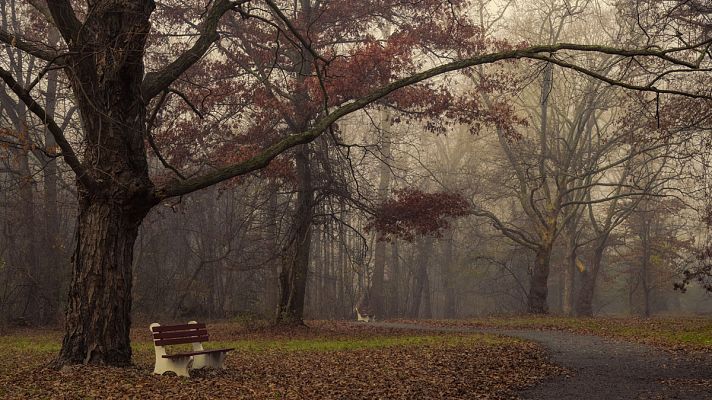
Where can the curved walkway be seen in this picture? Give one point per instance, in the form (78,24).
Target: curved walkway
(606,369)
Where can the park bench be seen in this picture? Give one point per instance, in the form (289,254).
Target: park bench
(364,317)
(181,363)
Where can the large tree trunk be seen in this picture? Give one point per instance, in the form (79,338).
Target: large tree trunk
(54,272)
(427,311)
(376,296)
(420,278)
(293,278)
(98,315)
(25,231)
(106,77)
(272,240)
(538,282)
(449,309)
(314,298)
(584,301)
(394,309)
(377,285)
(645,273)
(341,303)
(538,289)
(99,306)
(567,301)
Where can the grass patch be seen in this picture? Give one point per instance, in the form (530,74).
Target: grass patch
(29,344)
(339,344)
(32,343)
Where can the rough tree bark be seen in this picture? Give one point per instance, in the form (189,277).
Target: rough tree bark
(98,314)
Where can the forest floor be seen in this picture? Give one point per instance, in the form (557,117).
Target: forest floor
(328,360)
(489,358)
(607,358)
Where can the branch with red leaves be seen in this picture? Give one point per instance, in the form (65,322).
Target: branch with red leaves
(321,125)
(414,213)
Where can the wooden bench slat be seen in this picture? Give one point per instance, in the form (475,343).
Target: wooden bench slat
(182,340)
(184,327)
(180,334)
(195,353)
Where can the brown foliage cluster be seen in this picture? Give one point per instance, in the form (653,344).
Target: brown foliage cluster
(412,213)
(242,114)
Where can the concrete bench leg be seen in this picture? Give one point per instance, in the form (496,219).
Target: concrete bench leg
(181,365)
(211,360)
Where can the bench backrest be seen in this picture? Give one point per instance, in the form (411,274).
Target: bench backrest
(166,335)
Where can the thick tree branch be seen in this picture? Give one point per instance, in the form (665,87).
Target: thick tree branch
(158,154)
(512,234)
(614,197)
(64,19)
(67,152)
(267,155)
(156,82)
(615,82)
(263,159)
(39,50)
(152,142)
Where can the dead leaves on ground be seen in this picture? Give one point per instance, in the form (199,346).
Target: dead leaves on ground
(458,367)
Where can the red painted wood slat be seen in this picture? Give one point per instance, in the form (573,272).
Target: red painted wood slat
(184,327)
(183,340)
(180,334)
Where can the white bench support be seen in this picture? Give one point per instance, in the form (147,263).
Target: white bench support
(179,365)
(209,360)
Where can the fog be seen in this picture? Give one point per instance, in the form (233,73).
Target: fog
(574,183)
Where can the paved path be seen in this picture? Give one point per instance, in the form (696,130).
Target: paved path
(607,369)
